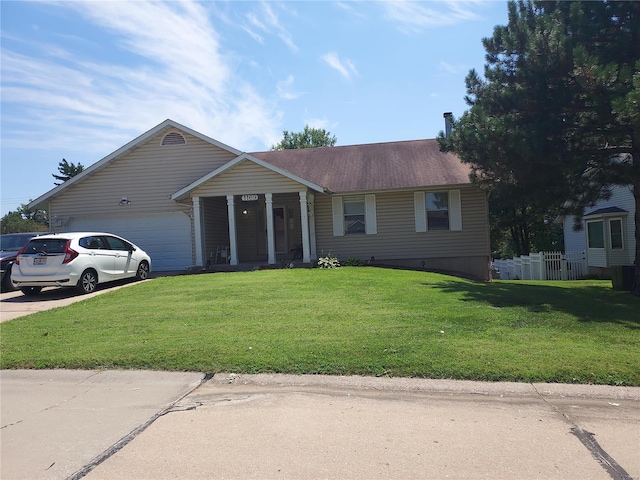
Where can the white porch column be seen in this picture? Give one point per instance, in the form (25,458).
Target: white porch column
(233,242)
(312,224)
(304,219)
(198,231)
(271,241)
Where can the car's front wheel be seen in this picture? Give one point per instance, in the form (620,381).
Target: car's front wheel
(31,291)
(88,282)
(143,271)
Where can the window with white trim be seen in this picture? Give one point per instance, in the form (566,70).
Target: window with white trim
(615,234)
(439,210)
(437,204)
(595,234)
(354,215)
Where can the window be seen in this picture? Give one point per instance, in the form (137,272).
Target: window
(615,233)
(93,243)
(46,246)
(595,234)
(437,210)
(354,215)
(117,244)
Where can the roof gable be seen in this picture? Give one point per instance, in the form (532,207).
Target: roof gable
(132,145)
(245,157)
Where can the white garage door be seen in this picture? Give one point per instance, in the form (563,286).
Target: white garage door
(165,237)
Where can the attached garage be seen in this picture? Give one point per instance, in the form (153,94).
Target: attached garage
(165,237)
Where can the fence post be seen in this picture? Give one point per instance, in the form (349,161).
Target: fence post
(526,267)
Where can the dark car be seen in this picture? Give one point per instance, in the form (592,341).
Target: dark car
(10,245)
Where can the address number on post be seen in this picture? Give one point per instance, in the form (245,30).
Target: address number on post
(250,198)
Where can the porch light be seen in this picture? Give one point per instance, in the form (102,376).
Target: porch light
(245,212)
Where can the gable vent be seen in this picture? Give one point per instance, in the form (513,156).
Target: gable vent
(173,138)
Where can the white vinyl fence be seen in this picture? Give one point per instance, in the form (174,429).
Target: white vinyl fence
(543,266)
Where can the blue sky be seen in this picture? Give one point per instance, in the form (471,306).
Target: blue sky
(81,79)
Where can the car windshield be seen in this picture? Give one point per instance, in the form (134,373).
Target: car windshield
(13,242)
(46,245)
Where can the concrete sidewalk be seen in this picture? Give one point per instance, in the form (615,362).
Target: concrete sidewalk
(55,423)
(146,425)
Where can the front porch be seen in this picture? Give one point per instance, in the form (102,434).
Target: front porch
(252,231)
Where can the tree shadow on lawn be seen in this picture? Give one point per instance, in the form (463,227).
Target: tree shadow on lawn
(588,304)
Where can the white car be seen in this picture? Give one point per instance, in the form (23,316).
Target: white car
(78,259)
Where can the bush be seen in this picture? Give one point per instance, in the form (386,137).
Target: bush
(328,262)
(353,262)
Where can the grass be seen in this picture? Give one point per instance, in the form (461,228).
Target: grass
(364,321)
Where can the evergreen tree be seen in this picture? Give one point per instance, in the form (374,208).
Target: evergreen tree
(67,170)
(554,123)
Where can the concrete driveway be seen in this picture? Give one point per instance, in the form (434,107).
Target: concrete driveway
(16,304)
(156,425)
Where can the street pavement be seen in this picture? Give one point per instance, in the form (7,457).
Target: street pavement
(65,424)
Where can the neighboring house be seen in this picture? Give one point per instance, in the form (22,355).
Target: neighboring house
(184,198)
(607,235)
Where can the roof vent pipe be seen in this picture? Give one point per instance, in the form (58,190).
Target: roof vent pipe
(448,123)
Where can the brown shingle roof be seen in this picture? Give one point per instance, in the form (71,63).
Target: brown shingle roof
(376,166)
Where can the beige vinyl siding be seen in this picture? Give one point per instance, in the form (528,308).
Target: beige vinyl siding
(147,176)
(247,178)
(396,237)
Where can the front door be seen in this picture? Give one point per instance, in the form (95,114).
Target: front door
(280,229)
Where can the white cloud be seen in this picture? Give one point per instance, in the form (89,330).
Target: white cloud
(285,89)
(266,20)
(344,67)
(347,7)
(414,16)
(95,106)
(320,123)
(453,69)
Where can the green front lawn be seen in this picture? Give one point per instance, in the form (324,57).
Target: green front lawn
(352,320)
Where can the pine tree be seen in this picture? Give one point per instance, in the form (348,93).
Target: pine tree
(555,120)
(67,170)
